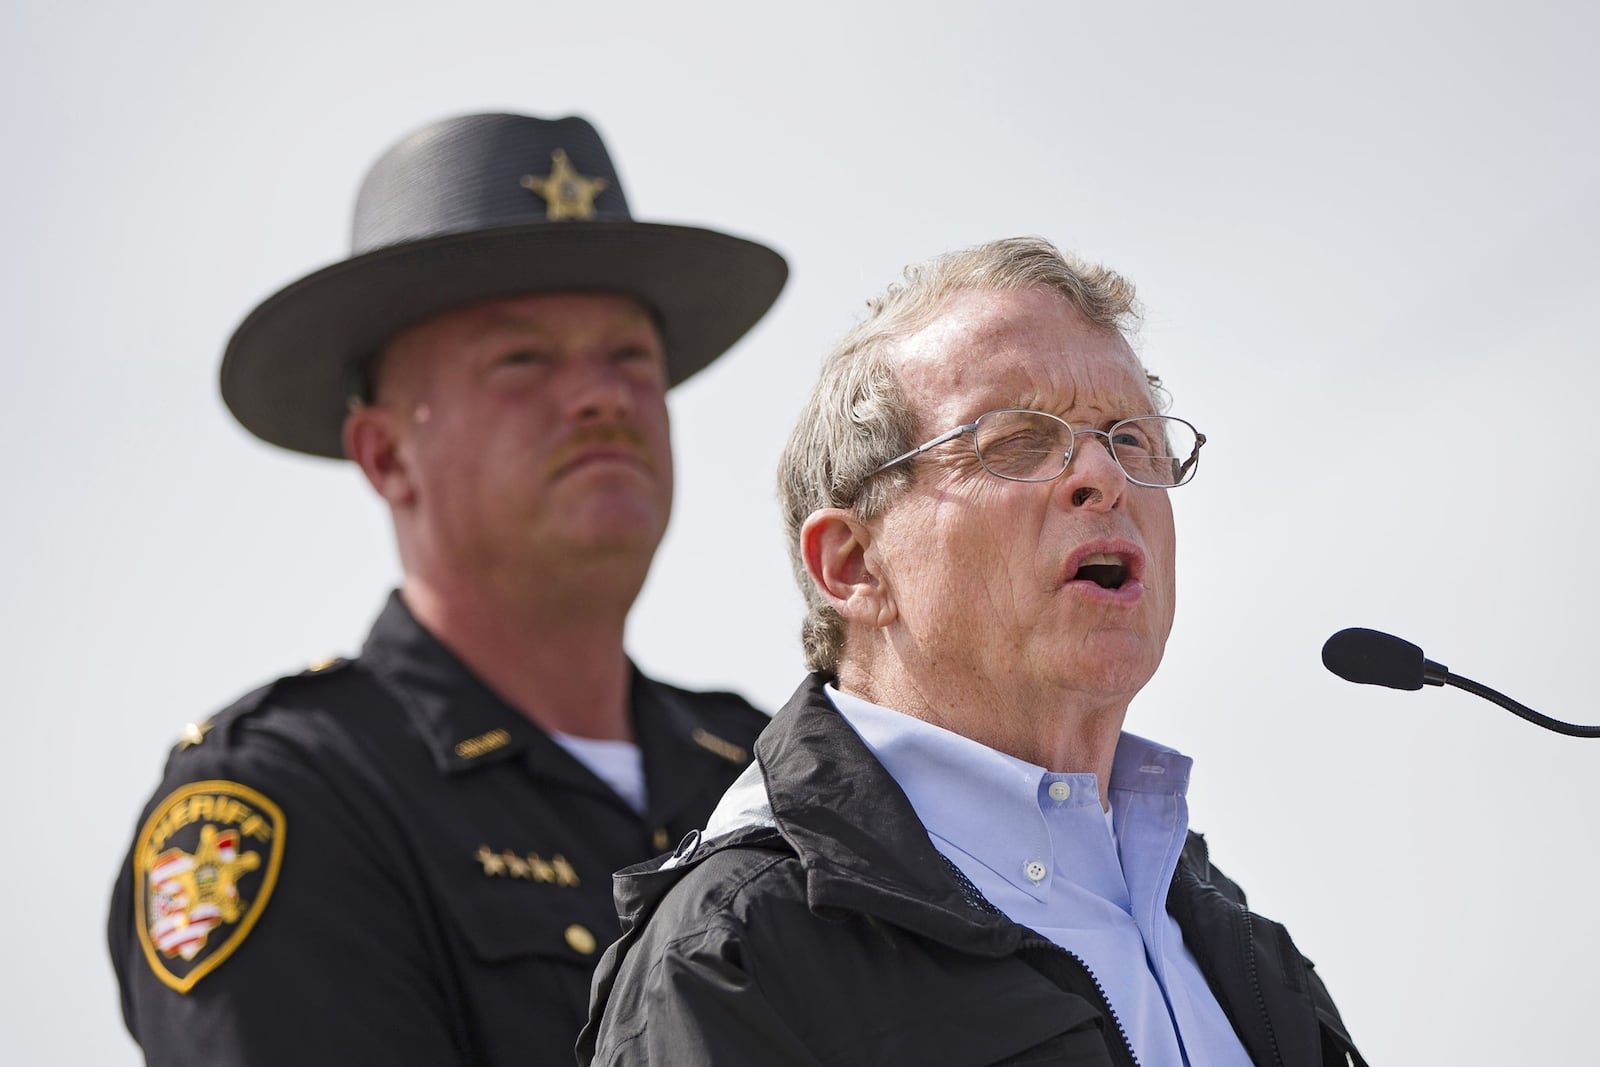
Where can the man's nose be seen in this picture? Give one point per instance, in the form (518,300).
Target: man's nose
(600,392)
(1094,479)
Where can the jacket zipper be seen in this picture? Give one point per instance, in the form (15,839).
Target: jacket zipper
(1249,947)
(1100,992)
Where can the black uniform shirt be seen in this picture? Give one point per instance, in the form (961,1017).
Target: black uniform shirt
(379,861)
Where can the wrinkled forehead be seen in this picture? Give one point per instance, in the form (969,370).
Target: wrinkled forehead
(986,350)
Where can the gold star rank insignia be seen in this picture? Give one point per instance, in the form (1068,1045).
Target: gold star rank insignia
(567,194)
(531,867)
(493,862)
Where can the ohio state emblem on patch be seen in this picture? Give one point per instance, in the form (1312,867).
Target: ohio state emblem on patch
(203,868)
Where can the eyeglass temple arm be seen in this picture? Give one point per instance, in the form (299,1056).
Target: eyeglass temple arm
(1194,457)
(935,443)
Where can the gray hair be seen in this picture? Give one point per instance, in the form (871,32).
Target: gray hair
(857,419)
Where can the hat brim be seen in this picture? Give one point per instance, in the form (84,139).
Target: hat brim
(286,374)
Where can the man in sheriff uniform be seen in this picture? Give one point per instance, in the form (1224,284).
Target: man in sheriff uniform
(406,857)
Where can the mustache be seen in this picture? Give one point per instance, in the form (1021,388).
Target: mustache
(591,437)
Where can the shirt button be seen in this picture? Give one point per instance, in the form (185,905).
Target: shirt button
(662,841)
(1035,871)
(579,939)
(1060,790)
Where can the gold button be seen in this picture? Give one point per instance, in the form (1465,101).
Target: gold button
(661,840)
(195,732)
(579,939)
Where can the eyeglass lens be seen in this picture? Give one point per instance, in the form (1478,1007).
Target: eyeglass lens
(1032,446)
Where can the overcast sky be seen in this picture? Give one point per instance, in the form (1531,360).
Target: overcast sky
(1366,237)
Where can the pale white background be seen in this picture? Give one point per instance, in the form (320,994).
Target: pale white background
(1366,235)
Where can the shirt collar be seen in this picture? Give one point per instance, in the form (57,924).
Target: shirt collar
(988,803)
(1143,766)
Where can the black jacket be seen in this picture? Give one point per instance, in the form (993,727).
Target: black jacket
(830,931)
(379,861)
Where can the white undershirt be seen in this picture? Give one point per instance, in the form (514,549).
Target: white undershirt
(618,764)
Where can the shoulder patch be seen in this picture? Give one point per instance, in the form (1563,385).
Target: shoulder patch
(204,865)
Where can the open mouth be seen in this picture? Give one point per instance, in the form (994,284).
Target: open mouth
(1103,569)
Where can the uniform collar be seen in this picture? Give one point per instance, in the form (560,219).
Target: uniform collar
(680,754)
(466,725)
(463,723)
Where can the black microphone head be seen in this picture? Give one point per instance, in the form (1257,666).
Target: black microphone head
(1372,657)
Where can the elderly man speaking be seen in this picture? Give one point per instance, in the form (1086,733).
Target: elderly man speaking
(948,851)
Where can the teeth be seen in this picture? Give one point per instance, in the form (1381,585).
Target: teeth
(1104,569)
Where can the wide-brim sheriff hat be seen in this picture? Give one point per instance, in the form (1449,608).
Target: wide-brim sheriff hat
(470,209)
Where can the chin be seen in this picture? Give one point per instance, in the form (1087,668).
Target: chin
(618,512)
(627,534)
(1123,666)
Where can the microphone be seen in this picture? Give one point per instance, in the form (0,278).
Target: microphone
(1371,657)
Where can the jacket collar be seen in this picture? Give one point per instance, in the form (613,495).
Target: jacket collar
(858,839)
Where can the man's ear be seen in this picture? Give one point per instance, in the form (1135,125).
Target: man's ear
(837,549)
(372,442)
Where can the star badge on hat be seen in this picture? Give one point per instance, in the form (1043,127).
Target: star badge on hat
(567,194)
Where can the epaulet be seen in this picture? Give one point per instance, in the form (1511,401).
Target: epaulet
(221,724)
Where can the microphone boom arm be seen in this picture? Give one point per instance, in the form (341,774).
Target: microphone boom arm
(1520,710)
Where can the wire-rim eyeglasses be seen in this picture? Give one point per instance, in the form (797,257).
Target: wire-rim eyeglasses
(1019,445)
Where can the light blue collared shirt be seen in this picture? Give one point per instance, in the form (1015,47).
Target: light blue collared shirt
(1041,849)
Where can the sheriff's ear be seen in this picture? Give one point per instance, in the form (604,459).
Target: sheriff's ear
(837,548)
(372,442)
